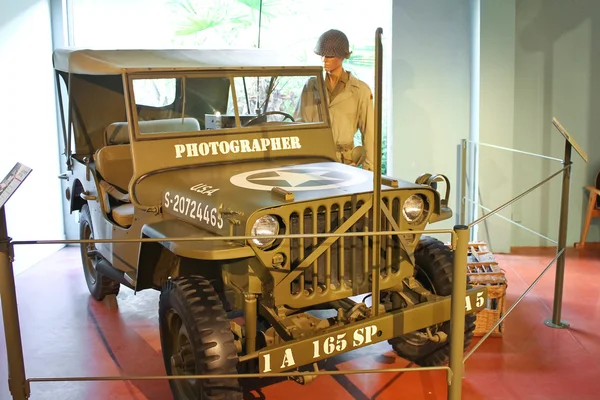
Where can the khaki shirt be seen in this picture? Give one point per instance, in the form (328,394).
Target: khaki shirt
(350,110)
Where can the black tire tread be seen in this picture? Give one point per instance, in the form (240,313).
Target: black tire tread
(104,286)
(208,329)
(434,261)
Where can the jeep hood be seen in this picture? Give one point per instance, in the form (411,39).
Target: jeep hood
(197,194)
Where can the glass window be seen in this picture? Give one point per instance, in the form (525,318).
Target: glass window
(189,103)
(154,92)
(275,95)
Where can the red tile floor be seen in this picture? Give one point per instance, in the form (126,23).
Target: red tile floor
(65,333)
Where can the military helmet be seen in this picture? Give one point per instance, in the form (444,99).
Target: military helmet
(333,43)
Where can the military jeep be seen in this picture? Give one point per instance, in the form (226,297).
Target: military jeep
(259,242)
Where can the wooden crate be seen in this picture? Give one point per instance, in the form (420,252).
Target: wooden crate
(490,275)
(483,270)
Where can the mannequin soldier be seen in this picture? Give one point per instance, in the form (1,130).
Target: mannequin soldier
(350,102)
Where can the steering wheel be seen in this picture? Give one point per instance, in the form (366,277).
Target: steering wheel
(286,116)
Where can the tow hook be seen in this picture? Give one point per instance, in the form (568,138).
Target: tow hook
(305,379)
(438,337)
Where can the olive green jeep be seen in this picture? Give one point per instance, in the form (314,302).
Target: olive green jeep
(199,154)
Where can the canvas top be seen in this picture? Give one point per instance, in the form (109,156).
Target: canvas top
(112,62)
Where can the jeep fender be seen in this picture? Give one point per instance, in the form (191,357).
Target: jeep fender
(211,252)
(76,201)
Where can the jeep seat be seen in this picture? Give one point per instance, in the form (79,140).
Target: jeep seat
(114,162)
(123,215)
(115,165)
(118,132)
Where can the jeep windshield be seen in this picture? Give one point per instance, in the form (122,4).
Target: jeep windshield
(229,102)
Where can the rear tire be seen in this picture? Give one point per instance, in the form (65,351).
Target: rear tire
(434,271)
(99,285)
(196,339)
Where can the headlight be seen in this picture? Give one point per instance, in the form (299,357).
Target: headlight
(267,225)
(413,208)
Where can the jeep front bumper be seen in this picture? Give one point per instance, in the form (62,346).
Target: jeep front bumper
(335,341)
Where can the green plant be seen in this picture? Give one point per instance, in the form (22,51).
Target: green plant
(222,23)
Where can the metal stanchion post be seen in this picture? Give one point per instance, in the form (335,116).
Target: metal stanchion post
(10,315)
(463,181)
(457,314)
(376,271)
(555,321)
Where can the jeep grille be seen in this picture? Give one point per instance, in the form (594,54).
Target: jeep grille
(346,264)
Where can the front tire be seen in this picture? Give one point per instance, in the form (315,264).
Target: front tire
(99,285)
(434,271)
(196,339)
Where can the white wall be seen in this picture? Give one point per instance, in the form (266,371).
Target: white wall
(60,38)
(557,74)
(28,133)
(431,80)
(496,119)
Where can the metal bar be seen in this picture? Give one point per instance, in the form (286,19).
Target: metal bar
(315,243)
(250,316)
(227,238)
(268,96)
(516,151)
(341,249)
(486,216)
(61,109)
(69,122)
(260,24)
(562,243)
(514,223)
(463,181)
(247,357)
(473,189)
(238,376)
(457,313)
(365,250)
(17,382)
(246,95)
(392,221)
(487,231)
(388,249)
(511,308)
(328,251)
(183,97)
(375,271)
(353,260)
(301,249)
(234,100)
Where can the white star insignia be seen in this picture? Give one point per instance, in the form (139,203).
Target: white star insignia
(298,178)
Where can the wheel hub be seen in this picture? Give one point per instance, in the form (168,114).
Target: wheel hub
(89,249)
(183,360)
(176,361)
